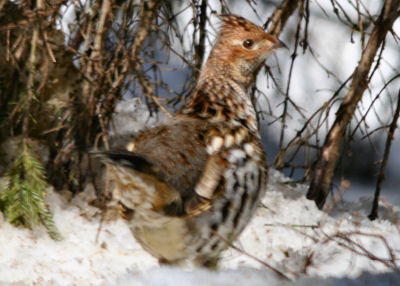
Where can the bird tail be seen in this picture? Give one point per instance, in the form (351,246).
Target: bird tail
(145,177)
(126,159)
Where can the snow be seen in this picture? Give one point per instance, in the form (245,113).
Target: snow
(131,115)
(288,232)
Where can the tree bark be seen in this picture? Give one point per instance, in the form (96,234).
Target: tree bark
(322,180)
(280,16)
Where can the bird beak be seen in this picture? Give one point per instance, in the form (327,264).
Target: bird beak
(279,44)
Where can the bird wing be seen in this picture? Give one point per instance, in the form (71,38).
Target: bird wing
(173,159)
(184,161)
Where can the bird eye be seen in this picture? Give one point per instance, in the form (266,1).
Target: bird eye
(248,43)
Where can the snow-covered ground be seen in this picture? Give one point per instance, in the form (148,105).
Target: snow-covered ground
(288,232)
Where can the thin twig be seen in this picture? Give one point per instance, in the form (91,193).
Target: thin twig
(50,51)
(251,256)
(381,177)
(293,56)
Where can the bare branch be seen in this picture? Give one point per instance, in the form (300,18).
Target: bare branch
(200,47)
(381,177)
(280,16)
(251,256)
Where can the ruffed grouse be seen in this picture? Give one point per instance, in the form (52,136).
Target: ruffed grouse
(191,184)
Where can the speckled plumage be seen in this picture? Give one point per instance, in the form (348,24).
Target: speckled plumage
(197,178)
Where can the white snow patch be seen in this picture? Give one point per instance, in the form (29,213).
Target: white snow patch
(131,116)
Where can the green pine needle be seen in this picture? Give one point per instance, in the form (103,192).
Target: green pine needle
(23,199)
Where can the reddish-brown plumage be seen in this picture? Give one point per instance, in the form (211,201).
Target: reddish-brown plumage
(199,176)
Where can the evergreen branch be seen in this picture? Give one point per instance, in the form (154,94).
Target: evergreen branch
(23,199)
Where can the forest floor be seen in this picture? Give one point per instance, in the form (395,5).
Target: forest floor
(288,232)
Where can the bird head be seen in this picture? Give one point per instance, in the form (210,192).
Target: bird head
(240,49)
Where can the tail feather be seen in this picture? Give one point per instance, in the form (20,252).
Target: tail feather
(166,199)
(125,159)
